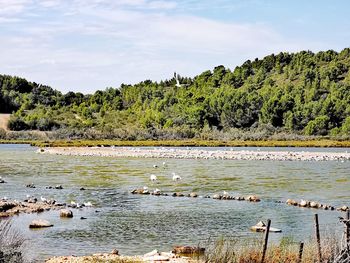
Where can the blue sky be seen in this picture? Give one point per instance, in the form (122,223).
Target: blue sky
(85,45)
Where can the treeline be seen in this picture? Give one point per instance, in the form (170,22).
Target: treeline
(302,93)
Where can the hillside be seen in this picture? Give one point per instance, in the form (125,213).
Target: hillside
(301,93)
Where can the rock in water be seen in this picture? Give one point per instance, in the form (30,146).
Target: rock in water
(39,223)
(188,250)
(66,213)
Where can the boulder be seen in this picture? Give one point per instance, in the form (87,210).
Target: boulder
(291,202)
(188,250)
(6,205)
(114,252)
(193,195)
(314,204)
(261,227)
(344,208)
(66,213)
(252,198)
(58,187)
(304,203)
(39,223)
(217,196)
(177,194)
(151,254)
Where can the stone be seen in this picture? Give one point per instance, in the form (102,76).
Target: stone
(217,196)
(344,208)
(252,198)
(193,195)
(313,204)
(151,254)
(40,223)
(303,203)
(58,187)
(291,202)
(188,250)
(66,213)
(115,252)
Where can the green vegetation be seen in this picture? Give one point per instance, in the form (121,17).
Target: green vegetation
(281,97)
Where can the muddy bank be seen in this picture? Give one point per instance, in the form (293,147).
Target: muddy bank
(194,153)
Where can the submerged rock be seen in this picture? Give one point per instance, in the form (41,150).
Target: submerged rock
(40,223)
(217,196)
(252,198)
(291,202)
(193,195)
(66,213)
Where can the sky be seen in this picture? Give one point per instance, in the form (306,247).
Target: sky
(89,45)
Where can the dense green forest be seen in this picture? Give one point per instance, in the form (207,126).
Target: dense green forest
(302,94)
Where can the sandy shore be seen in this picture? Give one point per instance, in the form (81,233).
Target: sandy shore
(195,153)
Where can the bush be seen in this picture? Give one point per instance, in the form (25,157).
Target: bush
(2,134)
(11,244)
(16,124)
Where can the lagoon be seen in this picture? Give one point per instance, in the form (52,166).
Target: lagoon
(136,224)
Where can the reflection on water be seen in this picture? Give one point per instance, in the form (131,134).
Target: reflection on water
(137,224)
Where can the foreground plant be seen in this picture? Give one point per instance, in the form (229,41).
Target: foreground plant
(11,243)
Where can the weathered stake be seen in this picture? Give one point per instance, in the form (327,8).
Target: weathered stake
(318,238)
(301,247)
(347,229)
(266,240)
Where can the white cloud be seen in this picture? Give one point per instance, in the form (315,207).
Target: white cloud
(105,43)
(13,7)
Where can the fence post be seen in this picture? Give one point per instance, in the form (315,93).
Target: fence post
(266,240)
(317,227)
(347,229)
(301,247)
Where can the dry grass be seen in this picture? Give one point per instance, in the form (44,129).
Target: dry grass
(11,243)
(287,251)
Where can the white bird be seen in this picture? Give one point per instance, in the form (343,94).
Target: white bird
(176,177)
(225,193)
(73,203)
(157,191)
(164,164)
(155,166)
(4,198)
(153,177)
(145,188)
(43,199)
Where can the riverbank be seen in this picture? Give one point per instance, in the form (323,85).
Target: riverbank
(315,142)
(195,153)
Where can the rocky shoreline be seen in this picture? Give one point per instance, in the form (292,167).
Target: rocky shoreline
(14,207)
(180,254)
(196,153)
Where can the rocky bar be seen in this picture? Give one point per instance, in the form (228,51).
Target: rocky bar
(197,153)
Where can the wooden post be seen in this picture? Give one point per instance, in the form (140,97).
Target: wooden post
(347,229)
(266,240)
(318,238)
(301,247)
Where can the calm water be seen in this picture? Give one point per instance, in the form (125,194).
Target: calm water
(137,224)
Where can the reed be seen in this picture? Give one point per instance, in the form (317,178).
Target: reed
(187,143)
(233,250)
